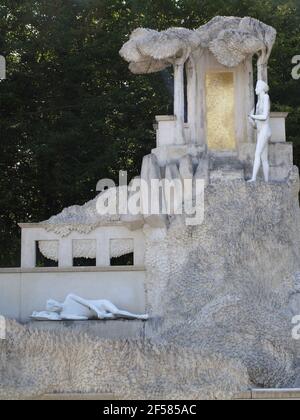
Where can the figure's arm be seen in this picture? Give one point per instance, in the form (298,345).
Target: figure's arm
(266,112)
(252,122)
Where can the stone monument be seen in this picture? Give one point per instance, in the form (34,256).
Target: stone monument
(221,294)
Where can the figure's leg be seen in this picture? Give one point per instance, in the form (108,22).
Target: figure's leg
(257,161)
(265,162)
(110,307)
(107,310)
(101,314)
(125,314)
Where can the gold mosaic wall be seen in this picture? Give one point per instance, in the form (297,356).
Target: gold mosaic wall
(220,111)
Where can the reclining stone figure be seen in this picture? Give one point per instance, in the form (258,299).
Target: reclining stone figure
(76,308)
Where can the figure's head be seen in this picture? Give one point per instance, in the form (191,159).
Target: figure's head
(54,306)
(261,87)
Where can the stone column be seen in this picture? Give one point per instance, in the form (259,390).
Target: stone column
(179,101)
(65,254)
(28,253)
(192,97)
(103,250)
(139,250)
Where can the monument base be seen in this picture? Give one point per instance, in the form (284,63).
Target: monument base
(221,298)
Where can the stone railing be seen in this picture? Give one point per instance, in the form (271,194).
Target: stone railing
(102,244)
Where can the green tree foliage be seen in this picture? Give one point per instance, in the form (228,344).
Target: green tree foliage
(71,112)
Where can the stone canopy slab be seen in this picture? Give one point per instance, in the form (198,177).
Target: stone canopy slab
(230,39)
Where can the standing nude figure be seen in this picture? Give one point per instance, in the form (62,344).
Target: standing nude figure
(261,120)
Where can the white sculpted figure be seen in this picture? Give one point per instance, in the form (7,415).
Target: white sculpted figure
(261,120)
(76,308)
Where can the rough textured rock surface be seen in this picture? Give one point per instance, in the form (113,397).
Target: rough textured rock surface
(149,51)
(232,39)
(34,363)
(83,219)
(232,284)
(221,296)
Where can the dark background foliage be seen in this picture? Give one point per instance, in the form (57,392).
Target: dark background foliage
(71,112)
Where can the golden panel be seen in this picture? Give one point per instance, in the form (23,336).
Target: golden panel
(220,107)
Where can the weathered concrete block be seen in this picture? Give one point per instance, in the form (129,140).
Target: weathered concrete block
(202,171)
(224,175)
(280,159)
(173,154)
(186,167)
(152,209)
(277,121)
(281,154)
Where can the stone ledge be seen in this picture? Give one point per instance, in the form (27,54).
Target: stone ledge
(159,118)
(263,394)
(246,395)
(270,394)
(74,397)
(279,114)
(102,269)
(109,330)
(275,394)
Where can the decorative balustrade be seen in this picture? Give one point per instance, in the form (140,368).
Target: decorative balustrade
(102,244)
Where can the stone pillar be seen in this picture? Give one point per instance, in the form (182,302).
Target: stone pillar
(179,101)
(103,250)
(192,98)
(28,249)
(139,250)
(250,99)
(65,254)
